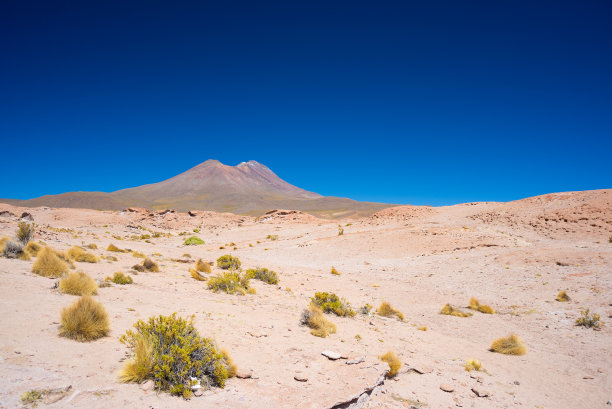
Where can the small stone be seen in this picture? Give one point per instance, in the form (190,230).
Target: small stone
(355,361)
(447,388)
(147,385)
(300,377)
(244,374)
(481,393)
(517,383)
(331,355)
(587,377)
(198,392)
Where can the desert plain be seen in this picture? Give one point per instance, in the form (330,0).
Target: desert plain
(515,257)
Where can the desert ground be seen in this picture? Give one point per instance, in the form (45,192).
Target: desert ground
(515,257)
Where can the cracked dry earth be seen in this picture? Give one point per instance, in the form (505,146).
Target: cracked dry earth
(512,256)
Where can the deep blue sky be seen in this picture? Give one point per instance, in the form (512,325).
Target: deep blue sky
(428,102)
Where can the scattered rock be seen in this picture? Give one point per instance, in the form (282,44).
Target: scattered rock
(192,213)
(481,393)
(587,377)
(421,369)
(147,385)
(447,388)
(55,395)
(198,392)
(6,213)
(356,361)
(300,377)
(244,374)
(331,355)
(256,334)
(26,216)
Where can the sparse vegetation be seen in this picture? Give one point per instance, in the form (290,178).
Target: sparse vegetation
(394,363)
(330,302)
(334,271)
(228,262)
(13,249)
(32,397)
(476,306)
(92,246)
(78,283)
(365,310)
(150,265)
(85,320)
(171,352)
(138,267)
(77,253)
(202,266)
(450,310)
(472,365)
(563,297)
(194,273)
(49,264)
(386,310)
(122,279)
(230,282)
(262,274)
(319,326)
(32,248)
(194,241)
(25,232)
(272,237)
(589,320)
(138,254)
(511,345)
(112,247)
(340,230)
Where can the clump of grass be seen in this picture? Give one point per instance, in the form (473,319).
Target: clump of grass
(476,306)
(92,246)
(32,248)
(589,320)
(77,253)
(394,363)
(511,345)
(150,265)
(450,310)
(340,230)
(472,365)
(78,283)
(262,274)
(202,266)
(319,326)
(32,397)
(334,271)
(365,310)
(25,232)
(228,262)
(112,247)
(122,279)
(13,249)
(139,267)
(3,242)
(230,282)
(170,351)
(49,264)
(272,237)
(386,310)
(563,297)
(138,254)
(194,241)
(85,320)
(330,302)
(194,273)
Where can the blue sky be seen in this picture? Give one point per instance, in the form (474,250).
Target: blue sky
(435,102)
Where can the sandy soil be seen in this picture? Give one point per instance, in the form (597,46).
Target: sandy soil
(513,256)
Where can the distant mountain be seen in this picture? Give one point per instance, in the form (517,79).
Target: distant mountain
(248,188)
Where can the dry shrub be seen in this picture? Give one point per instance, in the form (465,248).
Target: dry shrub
(140,366)
(92,246)
(589,320)
(14,249)
(120,278)
(112,247)
(202,266)
(386,310)
(138,267)
(230,282)
(262,274)
(78,283)
(3,242)
(319,326)
(231,367)
(563,297)
(472,365)
(228,262)
(334,271)
(150,265)
(476,306)
(25,232)
(85,320)
(77,253)
(511,345)
(196,275)
(138,254)
(48,264)
(450,310)
(394,363)
(32,248)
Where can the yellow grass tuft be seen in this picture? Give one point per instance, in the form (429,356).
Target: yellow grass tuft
(197,275)
(48,264)
(32,248)
(563,297)
(394,363)
(140,366)
(386,310)
(450,310)
(77,253)
(3,241)
(120,278)
(231,367)
(85,320)
(476,306)
(92,246)
(138,254)
(202,266)
(334,271)
(112,247)
(150,265)
(78,283)
(511,345)
(472,365)
(316,321)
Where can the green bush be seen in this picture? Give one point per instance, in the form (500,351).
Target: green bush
(262,274)
(228,262)
(589,320)
(194,241)
(171,352)
(230,282)
(330,302)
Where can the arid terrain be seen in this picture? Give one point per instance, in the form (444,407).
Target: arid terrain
(515,257)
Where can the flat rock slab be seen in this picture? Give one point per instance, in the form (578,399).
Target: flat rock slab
(355,361)
(300,377)
(331,355)
(447,388)
(481,393)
